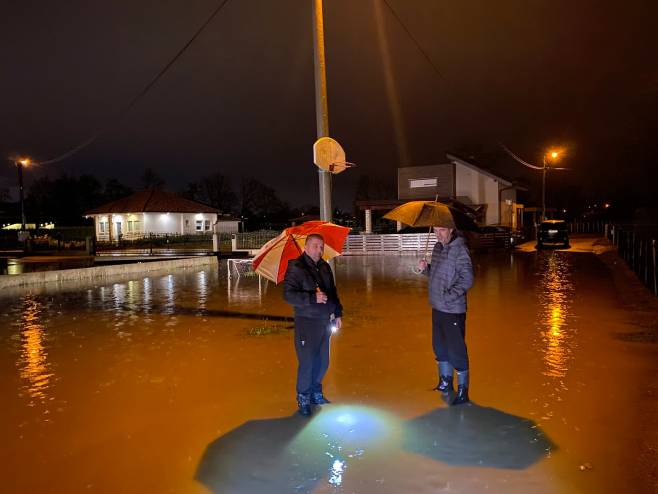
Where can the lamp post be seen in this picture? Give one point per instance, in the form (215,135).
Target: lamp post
(19,165)
(552,155)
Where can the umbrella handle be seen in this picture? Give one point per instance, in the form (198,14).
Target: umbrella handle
(415,269)
(427,243)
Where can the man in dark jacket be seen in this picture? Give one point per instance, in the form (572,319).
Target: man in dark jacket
(450,277)
(310,288)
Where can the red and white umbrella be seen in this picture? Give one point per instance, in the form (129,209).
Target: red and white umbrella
(271,261)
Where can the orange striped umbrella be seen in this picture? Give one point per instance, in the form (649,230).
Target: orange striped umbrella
(272,259)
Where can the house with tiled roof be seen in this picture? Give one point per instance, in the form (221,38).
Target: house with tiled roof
(153,211)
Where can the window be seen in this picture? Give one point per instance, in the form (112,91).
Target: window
(207,225)
(419,183)
(199,225)
(102,226)
(130,225)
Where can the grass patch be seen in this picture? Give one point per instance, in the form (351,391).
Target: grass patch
(268,329)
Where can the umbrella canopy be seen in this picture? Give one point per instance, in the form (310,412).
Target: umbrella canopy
(431,213)
(271,261)
(472,435)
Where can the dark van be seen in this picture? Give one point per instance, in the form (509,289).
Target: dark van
(553,232)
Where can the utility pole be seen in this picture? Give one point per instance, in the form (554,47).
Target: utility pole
(321,106)
(543,190)
(19,167)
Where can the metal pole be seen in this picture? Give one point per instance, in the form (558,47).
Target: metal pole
(19,165)
(543,189)
(321,105)
(655,282)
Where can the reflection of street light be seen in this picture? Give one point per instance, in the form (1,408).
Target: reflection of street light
(552,156)
(20,163)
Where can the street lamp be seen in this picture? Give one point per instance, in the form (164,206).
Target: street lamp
(553,155)
(20,163)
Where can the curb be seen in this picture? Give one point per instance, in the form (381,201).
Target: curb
(100,272)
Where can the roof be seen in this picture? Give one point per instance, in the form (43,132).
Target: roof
(479,168)
(152,201)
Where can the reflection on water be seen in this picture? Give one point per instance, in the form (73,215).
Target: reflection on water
(247,289)
(33,359)
(168,286)
(202,289)
(555,294)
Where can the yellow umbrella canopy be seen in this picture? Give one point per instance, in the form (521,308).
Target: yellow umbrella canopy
(430,213)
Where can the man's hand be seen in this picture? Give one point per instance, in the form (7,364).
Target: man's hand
(321,297)
(422,265)
(338,322)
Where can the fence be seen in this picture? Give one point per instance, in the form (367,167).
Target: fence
(170,240)
(374,244)
(379,244)
(44,239)
(587,227)
(637,247)
(253,240)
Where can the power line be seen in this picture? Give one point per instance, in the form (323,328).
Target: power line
(415,41)
(516,158)
(139,95)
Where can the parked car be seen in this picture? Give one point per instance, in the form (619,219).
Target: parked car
(496,236)
(553,232)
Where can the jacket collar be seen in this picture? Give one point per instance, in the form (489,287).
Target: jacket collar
(307,259)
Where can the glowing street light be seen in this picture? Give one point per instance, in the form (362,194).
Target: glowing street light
(549,156)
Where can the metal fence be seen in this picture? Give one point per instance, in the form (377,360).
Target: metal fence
(587,227)
(379,244)
(637,247)
(374,244)
(253,240)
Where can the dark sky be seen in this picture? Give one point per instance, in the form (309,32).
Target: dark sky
(529,73)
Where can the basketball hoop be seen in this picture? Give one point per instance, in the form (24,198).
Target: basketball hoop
(329,156)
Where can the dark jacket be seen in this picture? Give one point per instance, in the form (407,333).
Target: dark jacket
(451,275)
(300,284)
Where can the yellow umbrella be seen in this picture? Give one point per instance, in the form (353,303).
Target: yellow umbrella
(431,213)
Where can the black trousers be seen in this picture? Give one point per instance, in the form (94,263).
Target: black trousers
(312,347)
(448,339)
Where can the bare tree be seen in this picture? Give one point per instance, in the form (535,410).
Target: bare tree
(151,180)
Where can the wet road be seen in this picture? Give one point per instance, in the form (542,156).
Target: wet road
(184,383)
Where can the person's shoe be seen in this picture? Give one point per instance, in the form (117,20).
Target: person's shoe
(445,384)
(304,404)
(318,398)
(462,396)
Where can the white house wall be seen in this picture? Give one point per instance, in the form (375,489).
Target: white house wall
(162,223)
(480,189)
(182,223)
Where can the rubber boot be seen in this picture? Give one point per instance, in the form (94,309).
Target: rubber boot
(445,378)
(304,404)
(462,388)
(318,398)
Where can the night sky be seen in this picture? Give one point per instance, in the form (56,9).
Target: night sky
(240,101)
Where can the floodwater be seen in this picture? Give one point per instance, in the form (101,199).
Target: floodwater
(184,383)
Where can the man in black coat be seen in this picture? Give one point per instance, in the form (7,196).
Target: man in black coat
(310,288)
